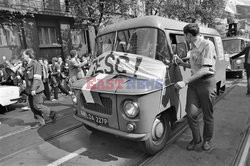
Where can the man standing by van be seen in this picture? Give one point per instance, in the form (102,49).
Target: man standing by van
(201,86)
(246,51)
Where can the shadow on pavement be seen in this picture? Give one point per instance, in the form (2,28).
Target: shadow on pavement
(106,147)
(100,146)
(15,122)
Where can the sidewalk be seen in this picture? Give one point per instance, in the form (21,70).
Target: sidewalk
(18,120)
(232,117)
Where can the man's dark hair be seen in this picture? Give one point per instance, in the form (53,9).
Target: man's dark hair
(192,28)
(30,52)
(72,53)
(55,59)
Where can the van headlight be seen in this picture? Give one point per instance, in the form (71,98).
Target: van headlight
(131,109)
(238,61)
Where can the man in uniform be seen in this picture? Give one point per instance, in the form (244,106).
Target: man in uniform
(201,86)
(35,87)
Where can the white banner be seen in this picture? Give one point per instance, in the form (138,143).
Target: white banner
(129,64)
(109,64)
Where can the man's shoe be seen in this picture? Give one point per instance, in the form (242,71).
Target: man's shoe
(40,120)
(25,108)
(206,145)
(192,145)
(37,125)
(53,116)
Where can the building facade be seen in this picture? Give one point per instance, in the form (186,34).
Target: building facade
(44,25)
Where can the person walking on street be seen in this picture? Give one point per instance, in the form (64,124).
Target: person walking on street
(63,75)
(201,90)
(75,67)
(246,52)
(35,87)
(56,80)
(45,77)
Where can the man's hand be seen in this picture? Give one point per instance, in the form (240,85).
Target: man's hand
(180,84)
(177,60)
(33,93)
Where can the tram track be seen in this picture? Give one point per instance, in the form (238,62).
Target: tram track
(143,159)
(241,157)
(51,137)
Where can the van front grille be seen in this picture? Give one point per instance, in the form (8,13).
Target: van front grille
(106,107)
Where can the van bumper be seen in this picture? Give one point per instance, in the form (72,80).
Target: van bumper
(131,136)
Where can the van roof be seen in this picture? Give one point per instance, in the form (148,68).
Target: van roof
(236,37)
(153,21)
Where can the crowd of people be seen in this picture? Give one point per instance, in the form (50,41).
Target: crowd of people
(38,77)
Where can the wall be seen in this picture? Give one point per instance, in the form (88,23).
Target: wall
(31,35)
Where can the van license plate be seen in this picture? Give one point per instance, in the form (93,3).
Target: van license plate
(97,119)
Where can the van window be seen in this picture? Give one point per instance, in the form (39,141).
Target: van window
(242,45)
(105,43)
(140,41)
(175,39)
(162,50)
(209,38)
(232,46)
(149,42)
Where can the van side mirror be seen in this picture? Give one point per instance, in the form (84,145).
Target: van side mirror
(181,49)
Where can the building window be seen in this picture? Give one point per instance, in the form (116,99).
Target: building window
(78,37)
(47,36)
(9,36)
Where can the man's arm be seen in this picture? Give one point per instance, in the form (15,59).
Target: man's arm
(78,65)
(181,62)
(185,64)
(239,54)
(205,70)
(36,78)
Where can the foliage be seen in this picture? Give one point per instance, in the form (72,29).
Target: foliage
(204,11)
(99,12)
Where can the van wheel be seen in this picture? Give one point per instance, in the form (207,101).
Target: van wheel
(93,130)
(159,135)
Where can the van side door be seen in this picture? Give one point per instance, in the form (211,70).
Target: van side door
(177,38)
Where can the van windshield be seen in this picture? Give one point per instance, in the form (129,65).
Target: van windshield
(232,46)
(140,41)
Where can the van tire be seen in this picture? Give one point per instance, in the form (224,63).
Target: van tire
(92,129)
(151,145)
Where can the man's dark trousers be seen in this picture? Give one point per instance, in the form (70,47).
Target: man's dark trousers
(201,94)
(47,89)
(61,87)
(36,105)
(247,67)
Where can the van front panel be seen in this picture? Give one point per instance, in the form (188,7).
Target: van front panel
(103,113)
